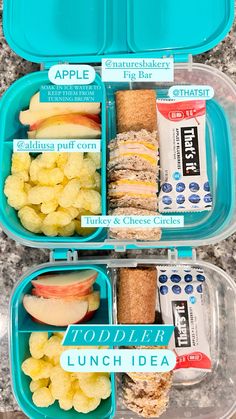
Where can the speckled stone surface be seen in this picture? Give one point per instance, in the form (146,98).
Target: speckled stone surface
(16,259)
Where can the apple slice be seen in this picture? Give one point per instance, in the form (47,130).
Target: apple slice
(35,126)
(62,285)
(31,118)
(88,316)
(60,107)
(46,294)
(68,126)
(80,290)
(93,300)
(31,135)
(34,117)
(93,305)
(55,312)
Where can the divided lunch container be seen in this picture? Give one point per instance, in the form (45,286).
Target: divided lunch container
(85,32)
(82,32)
(208,395)
(22,325)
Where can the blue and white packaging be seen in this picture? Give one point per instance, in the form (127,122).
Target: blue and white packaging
(181,301)
(184,181)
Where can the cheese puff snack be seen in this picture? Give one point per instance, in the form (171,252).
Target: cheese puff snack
(53,346)
(50,177)
(66,401)
(52,189)
(15,192)
(83,231)
(69,194)
(96,386)
(68,230)
(36,368)
(73,166)
(43,397)
(84,404)
(37,343)
(96,157)
(31,219)
(21,165)
(37,384)
(61,382)
(50,206)
(82,392)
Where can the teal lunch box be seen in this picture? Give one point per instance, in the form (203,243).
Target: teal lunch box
(22,325)
(72,31)
(78,31)
(214,390)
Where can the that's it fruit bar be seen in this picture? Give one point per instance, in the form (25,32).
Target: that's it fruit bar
(181,301)
(184,181)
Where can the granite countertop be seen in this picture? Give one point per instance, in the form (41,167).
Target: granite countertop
(16,259)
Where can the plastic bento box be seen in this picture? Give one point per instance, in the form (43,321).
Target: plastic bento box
(22,325)
(60,34)
(50,33)
(213,390)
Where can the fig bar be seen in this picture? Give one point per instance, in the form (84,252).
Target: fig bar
(136,110)
(181,300)
(137,292)
(184,181)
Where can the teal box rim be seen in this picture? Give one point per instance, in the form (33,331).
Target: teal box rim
(16,21)
(42,78)
(15,367)
(100,243)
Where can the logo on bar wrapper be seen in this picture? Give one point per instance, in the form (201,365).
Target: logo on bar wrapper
(181,322)
(176,115)
(190,151)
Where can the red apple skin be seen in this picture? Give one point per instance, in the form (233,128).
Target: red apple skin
(36,320)
(34,126)
(94,118)
(73,118)
(64,290)
(46,294)
(88,316)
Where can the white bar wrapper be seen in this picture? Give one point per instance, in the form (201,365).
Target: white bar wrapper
(184,181)
(180,292)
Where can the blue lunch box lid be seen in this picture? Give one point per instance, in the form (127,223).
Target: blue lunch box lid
(80,31)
